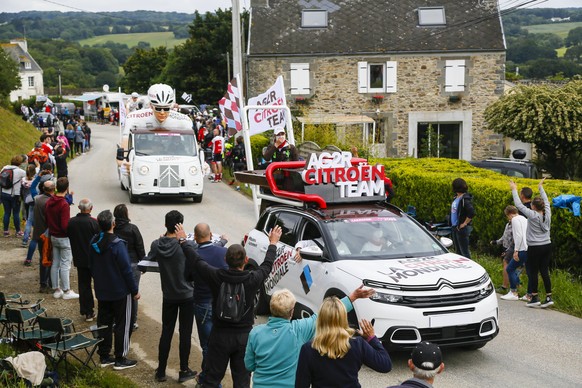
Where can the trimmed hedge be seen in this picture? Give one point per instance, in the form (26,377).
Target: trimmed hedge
(426,184)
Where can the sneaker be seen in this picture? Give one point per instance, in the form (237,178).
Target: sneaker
(188,374)
(70,295)
(124,363)
(45,290)
(58,293)
(534,302)
(106,361)
(24,244)
(27,263)
(160,377)
(547,302)
(510,296)
(20,234)
(6,233)
(526,298)
(89,317)
(502,290)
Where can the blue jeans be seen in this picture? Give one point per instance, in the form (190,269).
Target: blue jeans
(11,206)
(29,224)
(203,315)
(511,269)
(62,258)
(461,240)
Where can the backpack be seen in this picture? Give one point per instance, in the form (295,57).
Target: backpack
(231,302)
(7,178)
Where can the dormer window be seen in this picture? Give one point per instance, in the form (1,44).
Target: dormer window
(314,18)
(431,16)
(27,65)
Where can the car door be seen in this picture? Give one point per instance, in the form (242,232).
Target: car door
(279,277)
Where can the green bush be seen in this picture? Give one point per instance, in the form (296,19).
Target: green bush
(426,184)
(258,142)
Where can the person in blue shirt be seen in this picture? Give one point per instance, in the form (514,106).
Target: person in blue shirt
(273,348)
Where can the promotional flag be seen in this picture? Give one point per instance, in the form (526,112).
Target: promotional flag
(261,120)
(230,106)
(122,113)
(187,97)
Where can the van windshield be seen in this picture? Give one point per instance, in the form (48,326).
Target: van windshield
(166,143)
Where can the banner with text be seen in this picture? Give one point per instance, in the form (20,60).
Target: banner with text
(261,120)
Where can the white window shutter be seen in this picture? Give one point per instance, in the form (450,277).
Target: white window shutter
(455,75)
(362,77)
(300,78)
(391,76)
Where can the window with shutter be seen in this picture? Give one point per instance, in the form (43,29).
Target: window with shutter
(391,76)
(362,77)
(300,78)
(455,75)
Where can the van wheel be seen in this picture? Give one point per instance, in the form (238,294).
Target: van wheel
(197,198)
(132,198)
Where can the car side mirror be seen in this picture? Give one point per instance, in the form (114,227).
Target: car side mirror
(120,154)
(447,242)
(312,253)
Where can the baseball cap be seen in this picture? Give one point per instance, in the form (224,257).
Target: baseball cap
(427,356)
(134,94)
(279,130)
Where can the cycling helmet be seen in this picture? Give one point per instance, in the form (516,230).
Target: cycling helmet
(161,95)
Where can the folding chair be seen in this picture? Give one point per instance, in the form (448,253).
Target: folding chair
(67,343)
(4,300)
(22,326)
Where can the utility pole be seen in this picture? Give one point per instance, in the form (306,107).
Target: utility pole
(60,92)
(236,42)
(228,77)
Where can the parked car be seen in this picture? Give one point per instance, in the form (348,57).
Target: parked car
(43,115)
(510,167)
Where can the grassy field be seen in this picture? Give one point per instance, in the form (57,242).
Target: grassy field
(560,29)
(155,39)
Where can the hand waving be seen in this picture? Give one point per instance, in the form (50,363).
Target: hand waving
(275,234)
(366,329)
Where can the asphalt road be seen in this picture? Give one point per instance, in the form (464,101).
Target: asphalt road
(535,348)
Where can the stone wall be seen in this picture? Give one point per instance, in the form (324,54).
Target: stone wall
(334,86)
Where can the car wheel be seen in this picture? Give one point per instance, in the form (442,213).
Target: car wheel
(197,198)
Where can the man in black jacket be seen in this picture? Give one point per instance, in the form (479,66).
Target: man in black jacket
(228,340)
(115,288)
(178,297)
(81,230)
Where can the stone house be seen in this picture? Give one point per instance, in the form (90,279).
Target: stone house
(408,66)
(31,78)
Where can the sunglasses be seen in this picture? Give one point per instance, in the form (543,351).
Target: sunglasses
(160,109)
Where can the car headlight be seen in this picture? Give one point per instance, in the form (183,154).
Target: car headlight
(487,289)
(193,170)
(386,298)
(144,170)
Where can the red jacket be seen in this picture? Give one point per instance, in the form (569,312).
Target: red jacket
(57,214)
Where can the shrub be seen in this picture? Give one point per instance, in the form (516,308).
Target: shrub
(426,184)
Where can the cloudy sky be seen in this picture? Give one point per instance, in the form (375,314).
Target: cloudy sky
(188,6)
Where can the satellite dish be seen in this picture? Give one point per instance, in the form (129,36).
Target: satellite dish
(105,88)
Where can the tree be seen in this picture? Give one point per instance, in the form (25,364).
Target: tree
(574,37)
(199,66)
(9,78)
(550,118)
(143,69)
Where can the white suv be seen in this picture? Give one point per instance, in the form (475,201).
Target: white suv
(423,292)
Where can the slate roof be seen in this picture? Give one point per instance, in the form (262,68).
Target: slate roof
(19,55)
(374,27)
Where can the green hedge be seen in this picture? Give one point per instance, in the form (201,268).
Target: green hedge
(426,184)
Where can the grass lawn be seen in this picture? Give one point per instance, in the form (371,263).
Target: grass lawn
(560,29)
(155,39)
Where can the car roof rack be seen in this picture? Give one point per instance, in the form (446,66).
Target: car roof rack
(309,183)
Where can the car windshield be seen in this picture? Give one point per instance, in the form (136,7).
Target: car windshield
(380,238)
(165,143)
